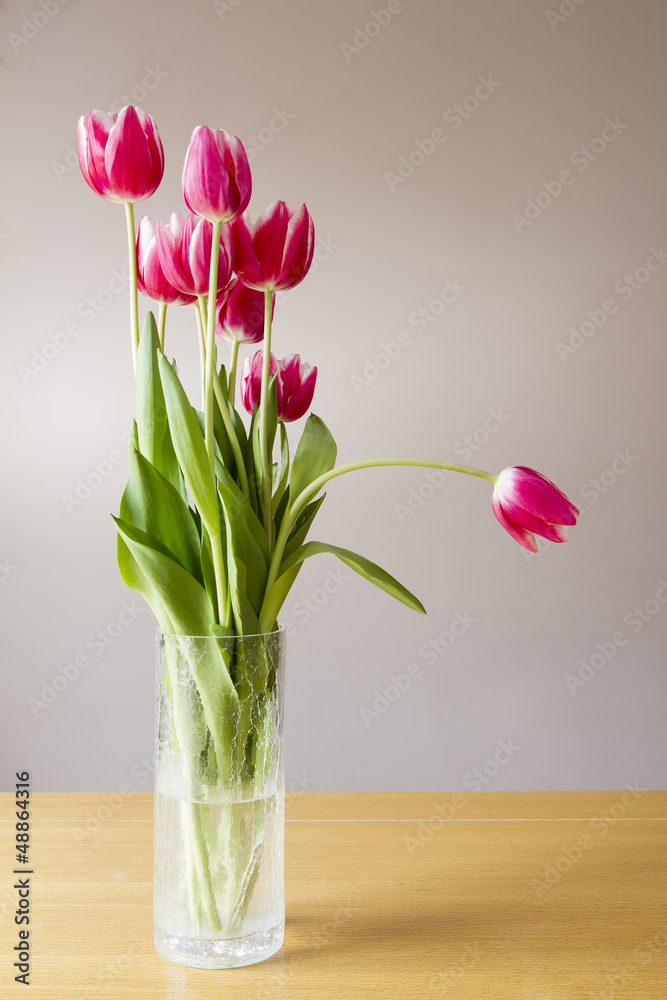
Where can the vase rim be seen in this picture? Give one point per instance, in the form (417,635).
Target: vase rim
(280,630)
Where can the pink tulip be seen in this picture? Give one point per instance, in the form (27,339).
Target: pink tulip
(151,279)
(295,385)
(120,155)
(278,250)
(240,314)
(527,504)
(216,175)
(184,251)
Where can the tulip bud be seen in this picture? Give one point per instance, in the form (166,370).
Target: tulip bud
(120,155)
(295,385)
(240,314)
(216,175)
(184,251)
(151,279)
(528,504)
(277,251)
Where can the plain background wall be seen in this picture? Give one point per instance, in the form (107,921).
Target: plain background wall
(335,110)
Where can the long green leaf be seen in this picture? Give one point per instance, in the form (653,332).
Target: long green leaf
(189,446)
(152,504)
(364,567)
(153,427)
(315,455)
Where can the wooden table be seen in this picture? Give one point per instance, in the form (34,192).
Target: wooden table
(510,896)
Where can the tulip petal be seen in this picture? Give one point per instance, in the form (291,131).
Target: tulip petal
(126,157)
(519,515)
(269,239)
(536,494)
(521,535)
(299,248)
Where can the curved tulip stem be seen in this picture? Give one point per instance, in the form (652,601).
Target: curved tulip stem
(300,502)
(162,317)
(232,435)
(210,348)
(264,417)
(202,349)
(231,391)
(134,296)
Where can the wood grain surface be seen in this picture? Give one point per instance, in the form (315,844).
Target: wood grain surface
(506,896)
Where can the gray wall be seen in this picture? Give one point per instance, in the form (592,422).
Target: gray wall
(333,113)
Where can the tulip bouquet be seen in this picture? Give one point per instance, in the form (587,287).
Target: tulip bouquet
(213,525)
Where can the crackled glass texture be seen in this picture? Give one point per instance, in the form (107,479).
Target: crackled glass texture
(219,799)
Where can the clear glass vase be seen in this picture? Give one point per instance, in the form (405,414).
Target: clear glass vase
(219,898)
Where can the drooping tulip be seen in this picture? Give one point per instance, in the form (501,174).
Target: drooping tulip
(184,251)
(295,385)
(120,155)
(240,313)
(151,278)
(277,251)
(216,175)
(528,504)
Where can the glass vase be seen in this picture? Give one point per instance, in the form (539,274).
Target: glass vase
(219,898)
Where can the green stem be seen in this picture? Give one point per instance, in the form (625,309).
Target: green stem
(202,351)
(162,317)
(231,392)
(314,488)
(210,348)
(134,297)
(231,434)
(264,418)
(220,578)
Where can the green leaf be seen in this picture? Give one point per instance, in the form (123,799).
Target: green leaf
(184,599)
(248,558)
(153,505)
(189,446)
(315,455)
(302,526)
(364,567)
(154,437)
(283,470)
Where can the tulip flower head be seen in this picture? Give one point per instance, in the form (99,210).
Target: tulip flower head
(275,253)
(184,251)
(240,313)
(120,155)
(295,385)
(216,175)
(151,279)
(528,504)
